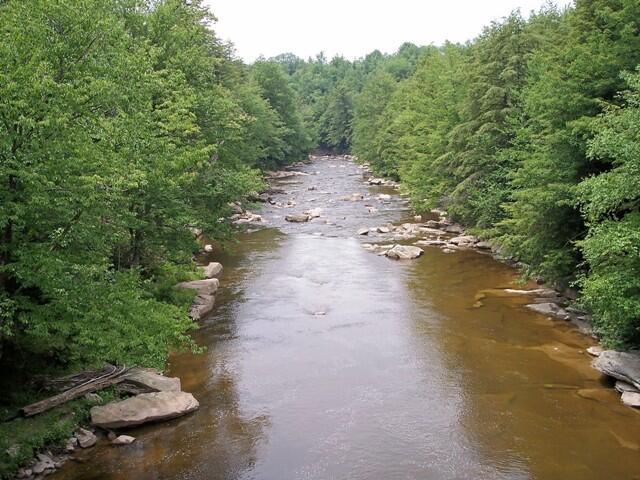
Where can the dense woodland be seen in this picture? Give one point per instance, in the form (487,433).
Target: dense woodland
(126,124)
(529,135)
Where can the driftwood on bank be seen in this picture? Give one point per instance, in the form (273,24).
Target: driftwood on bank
(113,376)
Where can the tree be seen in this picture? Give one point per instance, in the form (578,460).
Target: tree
(610,202)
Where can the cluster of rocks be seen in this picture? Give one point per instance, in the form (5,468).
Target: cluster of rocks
(431,233)
(624,367)
(45,463)
(383,182)
(158,398)
(286,173)
(395,251)
(305,216)
(242,216)
(205,290)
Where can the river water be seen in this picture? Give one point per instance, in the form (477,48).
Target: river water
(326,361)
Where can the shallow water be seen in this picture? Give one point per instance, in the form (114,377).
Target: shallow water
(326,361)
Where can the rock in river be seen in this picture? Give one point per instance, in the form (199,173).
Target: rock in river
(404,252)
(203,287)
(152,380)
(551,309)
(123,440)
(631,399)
(144,408)
(624,366)
(212,270)
(297,218)
(86,438)
(202,305)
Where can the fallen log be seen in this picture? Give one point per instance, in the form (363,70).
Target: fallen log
(106,380)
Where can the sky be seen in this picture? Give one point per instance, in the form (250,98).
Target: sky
(353,28)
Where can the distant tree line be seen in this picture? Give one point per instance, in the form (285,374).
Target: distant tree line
(529,135)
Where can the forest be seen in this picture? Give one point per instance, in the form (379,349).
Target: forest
(127,124)
(529,135)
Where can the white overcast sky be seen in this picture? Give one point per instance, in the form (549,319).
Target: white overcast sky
(353,28)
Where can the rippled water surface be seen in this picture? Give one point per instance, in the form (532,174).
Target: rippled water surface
(326,361)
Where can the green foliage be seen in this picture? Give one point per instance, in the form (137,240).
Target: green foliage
(275,88)
(123,124)
(22,437)
(505,134)
(610,202)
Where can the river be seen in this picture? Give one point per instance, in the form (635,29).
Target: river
(327,361)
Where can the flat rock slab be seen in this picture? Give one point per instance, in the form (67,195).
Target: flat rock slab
(404,252)
(631,399)
(212,270)
(595,350)
(143,408)
(623,387)
(203,287)
(152,380)
(123,440)
(623,366)
(551,309)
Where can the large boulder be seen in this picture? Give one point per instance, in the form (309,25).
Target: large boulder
(143,408)
(404,252)
(624,366)
(208,286)
(152,380)
(213,270)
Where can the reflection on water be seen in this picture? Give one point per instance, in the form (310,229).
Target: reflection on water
(326,361)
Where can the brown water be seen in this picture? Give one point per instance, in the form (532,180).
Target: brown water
(326,361)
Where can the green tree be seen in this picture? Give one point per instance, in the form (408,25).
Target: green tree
(610,202)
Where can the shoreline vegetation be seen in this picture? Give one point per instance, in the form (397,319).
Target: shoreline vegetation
(127,126)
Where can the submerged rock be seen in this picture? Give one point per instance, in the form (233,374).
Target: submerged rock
(144,408)
(624,366)
(404,252)
(551,309)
